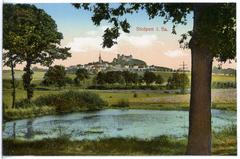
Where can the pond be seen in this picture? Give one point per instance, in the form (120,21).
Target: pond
(144,124)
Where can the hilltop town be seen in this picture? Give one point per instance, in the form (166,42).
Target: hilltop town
(120,63)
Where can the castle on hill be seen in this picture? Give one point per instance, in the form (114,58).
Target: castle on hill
(120,63)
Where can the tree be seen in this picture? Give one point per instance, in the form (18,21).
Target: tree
(10,53)
(130,77)
(81,75)
(34,39)
(127,77)
(101,78)
(213,36)
(140,80)
(121,79)
(10,60)
(114,77)
(134,78)
(178,81)
(169,83)
(184,82)
(174,81)
(149,77)
(159,79)
(55,75)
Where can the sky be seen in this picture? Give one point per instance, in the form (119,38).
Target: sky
(155,47)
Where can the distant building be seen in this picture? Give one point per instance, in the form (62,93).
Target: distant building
(120,63)
(100,59)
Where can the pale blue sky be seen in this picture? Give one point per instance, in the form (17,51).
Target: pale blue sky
(155,47)
(73,22)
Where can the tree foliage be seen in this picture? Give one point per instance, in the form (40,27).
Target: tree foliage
(159,79)
(81,74)
(121,77)
(216,30)
(130,77)
(149,77)
(100,79)
(178,81)
(31,35)
(55,75)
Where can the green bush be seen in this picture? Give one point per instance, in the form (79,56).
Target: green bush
(72,101)
(55,103)
(135,95)
(24,104)
(223,85)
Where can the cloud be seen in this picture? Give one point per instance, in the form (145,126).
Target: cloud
(87,43)
(83,44)
(140,41)
(92,40)
(174,53)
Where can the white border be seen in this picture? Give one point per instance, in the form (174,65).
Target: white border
(111,1)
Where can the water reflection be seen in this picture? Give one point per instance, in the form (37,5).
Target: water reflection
(30,133)
(111,123)
(14,130)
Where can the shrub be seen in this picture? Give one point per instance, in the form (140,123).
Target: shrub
(223,85)
(55,103)
(71,101)
(24,103)
(135,95)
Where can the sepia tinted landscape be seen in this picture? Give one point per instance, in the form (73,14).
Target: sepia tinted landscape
(119,79)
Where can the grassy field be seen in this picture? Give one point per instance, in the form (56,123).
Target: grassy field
(134,99)
(223,78)
(18,75)
(224,143)
(147,99)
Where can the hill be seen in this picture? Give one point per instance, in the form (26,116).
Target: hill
(124,60)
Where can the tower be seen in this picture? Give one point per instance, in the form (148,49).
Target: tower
(100,58)
(184,67)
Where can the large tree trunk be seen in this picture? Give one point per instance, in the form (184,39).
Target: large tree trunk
(13,85)
(199,135)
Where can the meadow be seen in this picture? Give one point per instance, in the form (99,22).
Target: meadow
(224,142)
(137,99)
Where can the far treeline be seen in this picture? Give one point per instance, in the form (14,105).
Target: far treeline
(215,70)
(56,76)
